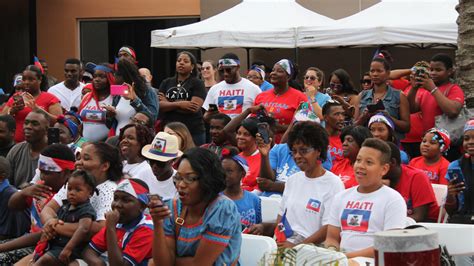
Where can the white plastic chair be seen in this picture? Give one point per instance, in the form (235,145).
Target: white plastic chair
(441,192)
(458,238)
(270,208)
(254,248)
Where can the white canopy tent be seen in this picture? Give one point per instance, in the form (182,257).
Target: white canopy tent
(250,24)
(390,22)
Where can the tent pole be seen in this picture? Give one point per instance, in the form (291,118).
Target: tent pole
(296,54)
(248,57)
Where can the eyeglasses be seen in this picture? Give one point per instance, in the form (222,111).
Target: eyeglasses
(206,68)
(365,81)
(301,151)
(138,122)
(186,179)
(312,78)
(335,85)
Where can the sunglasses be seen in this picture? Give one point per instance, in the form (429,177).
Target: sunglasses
(206,68)
(312,78)
(335,85)
(365,81)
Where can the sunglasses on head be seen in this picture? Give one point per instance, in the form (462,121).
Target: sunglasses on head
(312,78)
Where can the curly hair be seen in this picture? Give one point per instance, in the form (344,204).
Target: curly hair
(143,134)
(129,72)
(88,179)
(209,169)
(311,134)
(358,133)
(109,154)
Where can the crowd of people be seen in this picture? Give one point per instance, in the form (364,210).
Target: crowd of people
(104,168)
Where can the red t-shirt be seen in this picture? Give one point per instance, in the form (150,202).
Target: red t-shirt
(416,124)
(249,182)
(135,242)
(44,101)
(436,172)
(282,107)
(430,108)
(416,189)
(400,84)
(345,171)
(335,148)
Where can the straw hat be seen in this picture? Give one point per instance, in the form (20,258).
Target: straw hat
(163,148)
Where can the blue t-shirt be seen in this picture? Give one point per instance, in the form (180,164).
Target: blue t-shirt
(404,157)
(266,86)
(250,209)
(12,223)
(455,171)
(322,98)
(219,225)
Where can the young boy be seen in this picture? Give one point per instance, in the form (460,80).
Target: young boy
(248,204)
(55,164)
(76,209)
(435,142)
(12,224)
(368,208)
(128,235)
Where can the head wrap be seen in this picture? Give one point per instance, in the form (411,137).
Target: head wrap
(17,81)
(469,125)
(129,51)
(259,70)
(442,136)
(380,117)
(287,65)
(75,115)
(236,158)
(54,164)
(251,125)
(71,125)
(103,68)
(228,62)
(135,189)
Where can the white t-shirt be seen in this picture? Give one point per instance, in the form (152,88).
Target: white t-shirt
(124,111)
(93,120)
(306,201)
(101,202)
(360,215)
(143,171)
(68,98)
(232,99)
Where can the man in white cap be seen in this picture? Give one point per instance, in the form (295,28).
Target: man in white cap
(161,154)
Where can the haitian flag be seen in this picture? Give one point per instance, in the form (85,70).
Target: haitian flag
(230,104)
(38,64)
(313,205)
(283,230)
(355,220)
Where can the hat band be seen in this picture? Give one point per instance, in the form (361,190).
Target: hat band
(155,152)
(229,62)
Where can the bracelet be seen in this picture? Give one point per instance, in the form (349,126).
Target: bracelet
(433,90)
(332,247)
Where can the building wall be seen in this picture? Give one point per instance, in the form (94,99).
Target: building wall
(57,22)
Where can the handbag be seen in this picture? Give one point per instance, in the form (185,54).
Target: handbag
(454,126)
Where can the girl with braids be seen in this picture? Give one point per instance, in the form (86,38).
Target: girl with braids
(22,103)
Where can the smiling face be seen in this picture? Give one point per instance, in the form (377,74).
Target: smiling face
(127,205)
(255,77)
(278,76)
(35,127)
(207,70)
(129,146)
(429,147)
(306,157)
(184,65)
(311,79)
(189,194)
(468,143)
(245,140)
(89,161)
(378,73)
(369,169)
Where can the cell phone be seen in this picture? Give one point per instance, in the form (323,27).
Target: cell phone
(213,107)
(374,107)
(53,135)
(455,175)
(18,99)
(120,90)
(155,200)
(263,131)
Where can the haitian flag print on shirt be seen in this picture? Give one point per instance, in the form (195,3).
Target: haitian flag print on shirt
(230,102)
(313,205)
(356,216)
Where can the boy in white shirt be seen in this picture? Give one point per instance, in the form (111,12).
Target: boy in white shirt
(359,212)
